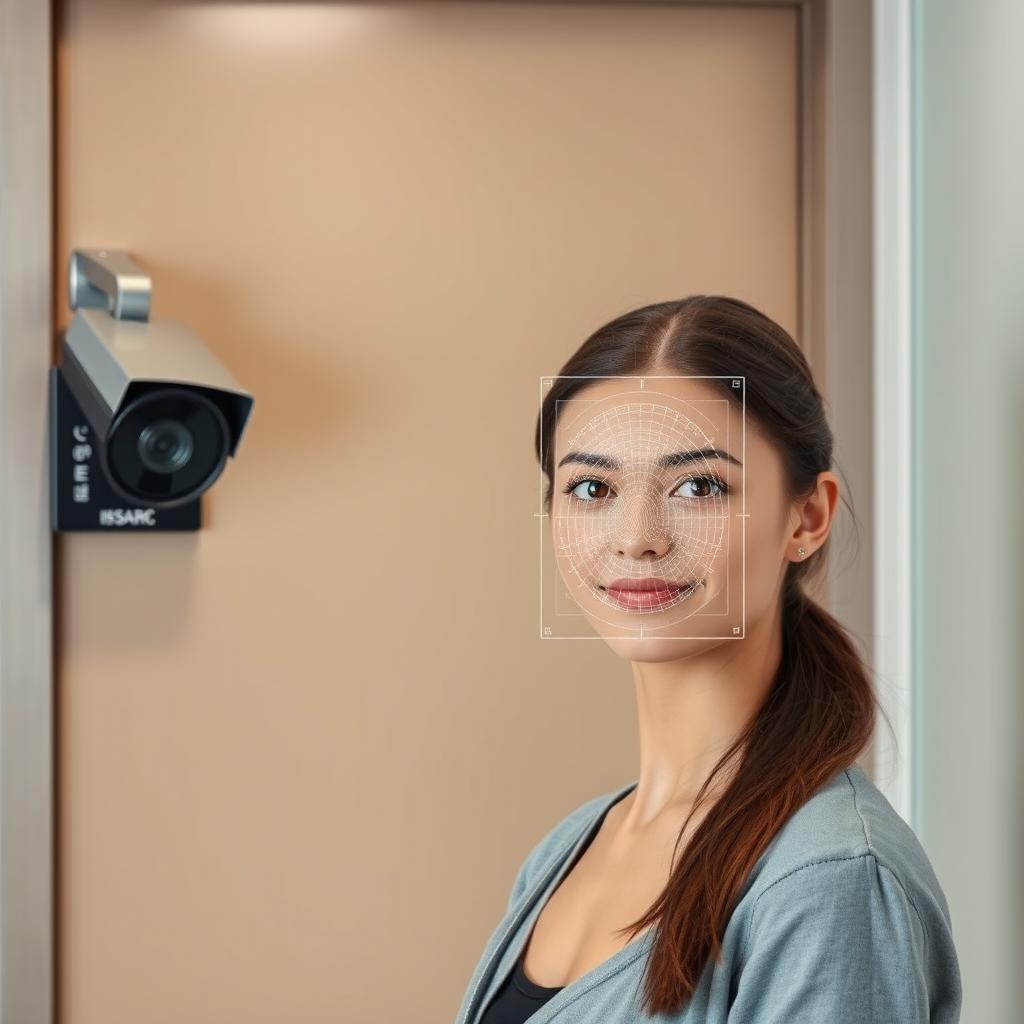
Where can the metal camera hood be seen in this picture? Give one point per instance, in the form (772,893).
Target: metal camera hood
(127,358)
(135,382)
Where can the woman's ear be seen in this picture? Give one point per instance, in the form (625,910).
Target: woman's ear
(815,515)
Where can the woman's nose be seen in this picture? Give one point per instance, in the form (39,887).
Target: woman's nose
(641,529)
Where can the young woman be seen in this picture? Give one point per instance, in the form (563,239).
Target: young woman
(752,874)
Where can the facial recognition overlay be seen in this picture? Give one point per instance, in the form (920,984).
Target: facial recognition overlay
(645,536)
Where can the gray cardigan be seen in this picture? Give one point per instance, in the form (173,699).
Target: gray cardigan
(841,920)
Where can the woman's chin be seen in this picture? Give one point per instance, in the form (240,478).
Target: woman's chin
(656,648)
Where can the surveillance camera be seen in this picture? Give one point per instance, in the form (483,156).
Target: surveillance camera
(144,415)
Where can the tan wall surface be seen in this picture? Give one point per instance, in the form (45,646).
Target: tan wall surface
(303,751)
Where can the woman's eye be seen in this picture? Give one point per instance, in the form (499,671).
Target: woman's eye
(587,486)
(702,480)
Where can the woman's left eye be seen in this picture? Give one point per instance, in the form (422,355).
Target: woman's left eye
(588,496)
(722,488)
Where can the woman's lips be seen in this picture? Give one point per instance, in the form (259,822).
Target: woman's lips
(646,594)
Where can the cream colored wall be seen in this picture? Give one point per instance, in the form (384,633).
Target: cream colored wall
(303,751)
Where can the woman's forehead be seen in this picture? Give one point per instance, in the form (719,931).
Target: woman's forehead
(636,427)
(649,415)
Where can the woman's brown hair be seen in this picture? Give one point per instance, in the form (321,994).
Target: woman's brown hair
(819,714)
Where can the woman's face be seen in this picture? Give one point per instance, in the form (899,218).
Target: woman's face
(664,479)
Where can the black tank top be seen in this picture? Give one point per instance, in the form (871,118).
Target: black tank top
(517,998)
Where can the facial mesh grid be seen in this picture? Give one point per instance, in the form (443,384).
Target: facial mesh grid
(660,508)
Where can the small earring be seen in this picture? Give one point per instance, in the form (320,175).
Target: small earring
(801,552)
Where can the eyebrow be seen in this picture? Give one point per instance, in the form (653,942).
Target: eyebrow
(665,462)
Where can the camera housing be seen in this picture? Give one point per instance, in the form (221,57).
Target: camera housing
(143,415)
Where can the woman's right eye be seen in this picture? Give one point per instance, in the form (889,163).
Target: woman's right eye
(587,487)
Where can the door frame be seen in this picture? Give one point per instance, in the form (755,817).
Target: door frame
(854,161)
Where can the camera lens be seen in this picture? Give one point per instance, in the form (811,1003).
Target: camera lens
(165,445)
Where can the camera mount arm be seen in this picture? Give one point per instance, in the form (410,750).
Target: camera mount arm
(108,279)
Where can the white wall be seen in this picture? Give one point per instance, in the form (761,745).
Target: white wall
(968,314)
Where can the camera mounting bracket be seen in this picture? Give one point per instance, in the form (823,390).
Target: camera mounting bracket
(109,279)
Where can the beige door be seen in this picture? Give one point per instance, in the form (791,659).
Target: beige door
(303,751)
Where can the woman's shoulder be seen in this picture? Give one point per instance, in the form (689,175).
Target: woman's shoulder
(845,891)
(849,818)
(847,847)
